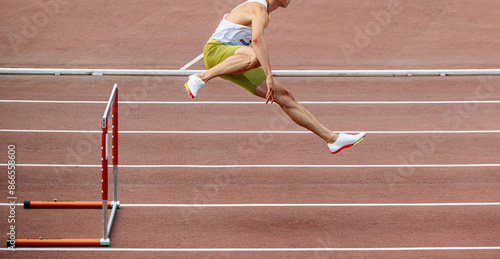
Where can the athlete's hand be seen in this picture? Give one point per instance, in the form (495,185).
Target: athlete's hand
(270,90)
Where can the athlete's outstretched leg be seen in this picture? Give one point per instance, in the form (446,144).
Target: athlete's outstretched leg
(297,112)
(304,118)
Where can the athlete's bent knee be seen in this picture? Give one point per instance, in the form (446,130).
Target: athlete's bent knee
(285,98)
(253,63)
(252,60)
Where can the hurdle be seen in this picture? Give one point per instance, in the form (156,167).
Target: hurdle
(114,205)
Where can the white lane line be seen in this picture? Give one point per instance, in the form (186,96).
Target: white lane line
(249,102)
(388,249)
(267,166)
(192,62)
(449,204)
(252,132)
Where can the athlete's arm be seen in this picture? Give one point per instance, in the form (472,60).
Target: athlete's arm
(260,21)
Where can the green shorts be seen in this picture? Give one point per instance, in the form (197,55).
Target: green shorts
(215,52)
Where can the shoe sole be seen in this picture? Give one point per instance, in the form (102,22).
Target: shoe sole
(350,145)
(188,91)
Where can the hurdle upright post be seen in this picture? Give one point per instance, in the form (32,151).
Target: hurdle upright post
(112,107)
(114,147)
(104,176)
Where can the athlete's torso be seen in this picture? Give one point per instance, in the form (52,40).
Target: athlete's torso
(231,33)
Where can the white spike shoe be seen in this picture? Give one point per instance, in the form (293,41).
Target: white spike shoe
(345,141)
(193,84)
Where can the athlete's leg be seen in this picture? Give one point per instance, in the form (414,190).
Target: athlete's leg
(243,60)
(297,112)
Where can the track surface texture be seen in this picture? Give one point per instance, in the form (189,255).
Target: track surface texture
(425,183)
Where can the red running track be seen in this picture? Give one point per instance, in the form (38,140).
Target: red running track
(157,34)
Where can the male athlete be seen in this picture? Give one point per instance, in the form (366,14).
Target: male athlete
(237,52)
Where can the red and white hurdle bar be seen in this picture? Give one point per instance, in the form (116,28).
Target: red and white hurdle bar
(111,109)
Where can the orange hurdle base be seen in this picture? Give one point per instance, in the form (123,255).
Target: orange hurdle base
(65,204)
(58,242)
